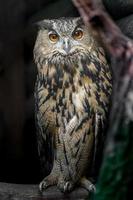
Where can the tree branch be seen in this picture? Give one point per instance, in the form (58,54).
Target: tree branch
(31,192)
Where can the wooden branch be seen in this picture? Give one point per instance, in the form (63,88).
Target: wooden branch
(31,192)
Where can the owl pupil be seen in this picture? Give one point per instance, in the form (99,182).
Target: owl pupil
(78,34)
(53,37)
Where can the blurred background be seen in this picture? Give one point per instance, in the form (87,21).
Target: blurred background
(19,162)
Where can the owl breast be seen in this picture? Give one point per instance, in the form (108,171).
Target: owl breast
(64,95)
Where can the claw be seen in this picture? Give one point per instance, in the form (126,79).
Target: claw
(43,185)
(47,182)
(65,186)
(92,188)
(88,185)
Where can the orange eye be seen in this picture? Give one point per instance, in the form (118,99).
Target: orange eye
(77,35)
(53,37)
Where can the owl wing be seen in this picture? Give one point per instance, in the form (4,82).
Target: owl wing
(101,75)
(98,144)
(44,137)
(45,146)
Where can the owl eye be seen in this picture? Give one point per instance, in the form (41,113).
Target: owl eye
(78,34)
(53,37)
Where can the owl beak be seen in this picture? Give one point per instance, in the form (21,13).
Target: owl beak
(66,45)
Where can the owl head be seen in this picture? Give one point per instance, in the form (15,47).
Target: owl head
(63,40)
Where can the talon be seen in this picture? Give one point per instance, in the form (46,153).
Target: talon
(40,186)
(48,181)
(43,185)
(65,186)
(92,188)
(88,185)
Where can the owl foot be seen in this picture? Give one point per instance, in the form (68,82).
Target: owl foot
(47,182)
(88,185)
(65,186)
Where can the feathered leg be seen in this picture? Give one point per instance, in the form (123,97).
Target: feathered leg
(76,146)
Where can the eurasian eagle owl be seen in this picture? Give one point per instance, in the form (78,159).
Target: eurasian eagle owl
(72,95)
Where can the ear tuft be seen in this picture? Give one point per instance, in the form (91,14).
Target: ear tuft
(44,24)
(79,21)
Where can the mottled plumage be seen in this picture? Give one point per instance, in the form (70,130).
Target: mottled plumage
(72,95)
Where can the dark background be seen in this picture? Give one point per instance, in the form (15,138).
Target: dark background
(19,162)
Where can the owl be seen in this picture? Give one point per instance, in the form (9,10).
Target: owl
(72,95)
